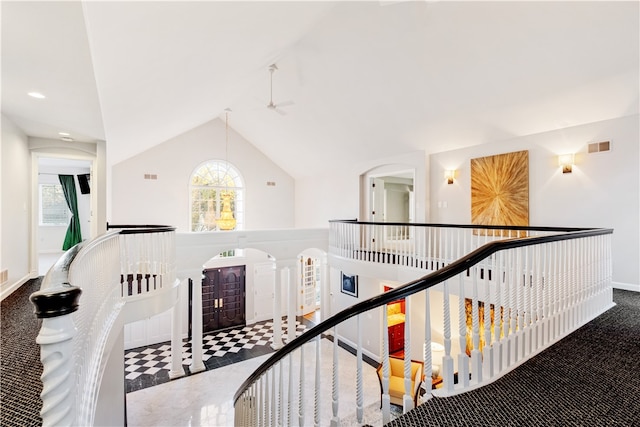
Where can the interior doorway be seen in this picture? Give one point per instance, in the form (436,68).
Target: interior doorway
(395,325)
(50,215)
(311,272)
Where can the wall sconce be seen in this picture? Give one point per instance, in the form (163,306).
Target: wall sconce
(566,162)
(449,175)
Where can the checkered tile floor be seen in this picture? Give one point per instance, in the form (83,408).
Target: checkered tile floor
(147,366)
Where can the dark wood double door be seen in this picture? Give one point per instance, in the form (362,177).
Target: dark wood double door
(223,298)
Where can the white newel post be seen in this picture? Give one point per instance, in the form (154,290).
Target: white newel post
(54,307)
(176,338)
(197,365)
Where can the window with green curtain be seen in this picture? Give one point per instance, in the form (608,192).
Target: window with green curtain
(73,236)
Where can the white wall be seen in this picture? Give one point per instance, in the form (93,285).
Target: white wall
(166,200)
(338,194)
(51,238)
(602,191)
(16,205)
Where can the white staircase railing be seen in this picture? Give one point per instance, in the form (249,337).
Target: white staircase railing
(533,286)
(81,303)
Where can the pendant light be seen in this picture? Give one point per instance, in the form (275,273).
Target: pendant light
(226,221)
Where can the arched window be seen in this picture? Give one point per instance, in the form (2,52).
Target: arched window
(209,184)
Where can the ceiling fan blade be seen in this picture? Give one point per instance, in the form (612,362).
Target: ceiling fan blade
(285,104)
(279,111)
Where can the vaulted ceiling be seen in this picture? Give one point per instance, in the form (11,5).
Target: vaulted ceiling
(355,80)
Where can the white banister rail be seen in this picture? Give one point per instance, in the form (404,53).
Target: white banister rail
(82,303)
(517,290)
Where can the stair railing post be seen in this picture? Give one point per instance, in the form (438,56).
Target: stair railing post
(55,338)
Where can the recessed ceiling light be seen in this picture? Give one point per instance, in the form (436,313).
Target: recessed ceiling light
(36,95)
(64,134)
(67,138)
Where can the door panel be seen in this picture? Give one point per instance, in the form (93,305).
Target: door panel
(225,302)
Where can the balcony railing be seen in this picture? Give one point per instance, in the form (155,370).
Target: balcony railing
(538,285)
(83,303)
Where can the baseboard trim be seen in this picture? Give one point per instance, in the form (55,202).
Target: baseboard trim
(626,286)
(10,289)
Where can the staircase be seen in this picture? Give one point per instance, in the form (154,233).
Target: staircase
(543,284)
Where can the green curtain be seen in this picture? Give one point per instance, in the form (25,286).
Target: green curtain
(73,236)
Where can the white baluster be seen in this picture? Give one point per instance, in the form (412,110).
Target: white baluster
(476,355)
(197,364)
(301,386)
(359,388)
(335,421)
(498,270)
(407,401)
(291,385)
(487,353)
(281,394)
(447,363)
(426,348)
(463,359)
(274,396)
(264,401)
(385,400)
(317,395)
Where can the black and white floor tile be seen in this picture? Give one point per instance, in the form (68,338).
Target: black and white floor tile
(149,366)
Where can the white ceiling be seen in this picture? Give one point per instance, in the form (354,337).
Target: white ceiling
(368,79)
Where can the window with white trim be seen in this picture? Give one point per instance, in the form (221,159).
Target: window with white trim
(53,206)
(208,183)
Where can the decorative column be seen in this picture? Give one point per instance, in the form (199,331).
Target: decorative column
(197,365)
(290,286)
(176,338)
(54,307)
(276,338)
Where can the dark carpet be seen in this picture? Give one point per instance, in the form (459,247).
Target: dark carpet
(590,378)
(20,370)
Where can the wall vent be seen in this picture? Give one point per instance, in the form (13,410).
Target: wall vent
(4,276)
(150,176)
(597,147)
(271,183)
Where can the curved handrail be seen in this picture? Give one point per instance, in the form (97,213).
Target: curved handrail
(418,285)
(140,229)
(471,226)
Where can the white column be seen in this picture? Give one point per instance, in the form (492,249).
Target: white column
(276,338)
(292,289)
(176,338)
(196,329)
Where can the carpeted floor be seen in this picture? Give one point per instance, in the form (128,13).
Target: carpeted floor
(20,367)
(590,378)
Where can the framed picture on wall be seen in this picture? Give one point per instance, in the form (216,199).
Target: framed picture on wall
(349,285)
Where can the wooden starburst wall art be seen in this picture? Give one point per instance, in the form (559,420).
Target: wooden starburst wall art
(500,190)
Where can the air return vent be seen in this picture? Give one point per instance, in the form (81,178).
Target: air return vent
(596,147)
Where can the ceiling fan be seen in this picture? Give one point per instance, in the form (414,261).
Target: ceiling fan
(271,105)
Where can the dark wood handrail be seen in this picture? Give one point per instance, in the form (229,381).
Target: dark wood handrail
(425,282)
(467,226)
(140,229)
